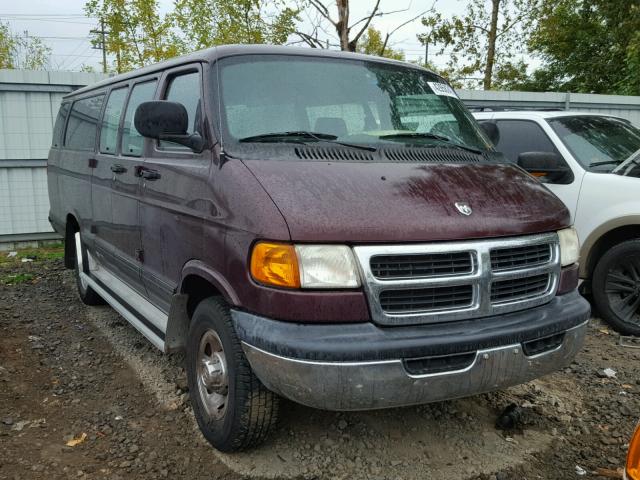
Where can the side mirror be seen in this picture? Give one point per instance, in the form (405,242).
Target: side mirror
(491,131)
(163,120)
(547,166)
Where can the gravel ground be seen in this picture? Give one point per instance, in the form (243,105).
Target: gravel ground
(75,374)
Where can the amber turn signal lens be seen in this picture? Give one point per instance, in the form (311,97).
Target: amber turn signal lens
(275,264)
(633,456)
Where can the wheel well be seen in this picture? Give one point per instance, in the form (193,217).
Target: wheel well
(197,288)
(71,227)
(608,240)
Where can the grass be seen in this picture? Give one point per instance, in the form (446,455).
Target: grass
(17,269)
(17,278)
(50,252)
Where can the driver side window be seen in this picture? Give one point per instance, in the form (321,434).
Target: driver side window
(185,89)
(518,136)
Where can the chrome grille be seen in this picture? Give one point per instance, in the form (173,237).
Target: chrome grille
(438,282)
(519,288)
(426,299)
(515,257)
(421,265)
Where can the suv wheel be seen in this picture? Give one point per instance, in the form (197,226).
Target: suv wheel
(233,409)
(87,294)
(616,287)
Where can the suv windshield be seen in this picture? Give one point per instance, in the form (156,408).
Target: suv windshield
(297,99)
(600,144)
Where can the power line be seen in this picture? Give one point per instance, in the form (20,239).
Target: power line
(45,20)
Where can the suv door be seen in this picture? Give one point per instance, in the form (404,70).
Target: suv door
(125,192)
(518,136)
(175,195)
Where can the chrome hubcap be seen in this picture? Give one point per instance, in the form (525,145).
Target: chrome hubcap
(213,381)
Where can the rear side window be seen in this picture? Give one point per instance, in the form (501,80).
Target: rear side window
(185,89)
(111,120)
(518,136)
(132,141)
(83,123)
(58,128)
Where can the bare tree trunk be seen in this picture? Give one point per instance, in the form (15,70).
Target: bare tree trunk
(491,51)
(343,29)
(342,25)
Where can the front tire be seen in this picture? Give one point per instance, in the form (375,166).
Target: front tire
(233,409)
(616,287)
(87,295)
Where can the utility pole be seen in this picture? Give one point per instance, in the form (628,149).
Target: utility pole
(102,45)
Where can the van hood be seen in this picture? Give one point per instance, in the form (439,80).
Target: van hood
(353,202)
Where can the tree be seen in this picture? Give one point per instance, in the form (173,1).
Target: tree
(590,46)
(205,23)
(136,33)
(484,40)
(372,43)
(341,24)
(22,52)
(344,28)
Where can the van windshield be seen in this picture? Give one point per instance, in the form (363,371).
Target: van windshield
(281,98)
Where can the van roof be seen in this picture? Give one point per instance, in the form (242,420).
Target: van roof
(211,54)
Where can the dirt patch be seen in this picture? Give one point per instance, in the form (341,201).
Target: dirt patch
(66,369)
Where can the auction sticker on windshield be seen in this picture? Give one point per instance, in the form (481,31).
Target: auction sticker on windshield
(442,89)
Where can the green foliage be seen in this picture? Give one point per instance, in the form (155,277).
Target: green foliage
(467,41)
(23,52)
(590,46)
(205,23)
(137,36)
(372,43)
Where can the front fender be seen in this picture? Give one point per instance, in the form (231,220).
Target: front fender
(201,269)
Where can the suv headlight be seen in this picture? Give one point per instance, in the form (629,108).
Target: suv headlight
(304,266)
(569,246)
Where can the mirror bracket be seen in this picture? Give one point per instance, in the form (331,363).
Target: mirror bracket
(193,141)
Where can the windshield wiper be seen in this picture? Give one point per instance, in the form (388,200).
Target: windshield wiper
(448,142)
(297,133)
(633,159)
(290,136)
(416,135)
(600,164)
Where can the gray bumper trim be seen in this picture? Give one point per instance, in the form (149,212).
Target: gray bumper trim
(382,384)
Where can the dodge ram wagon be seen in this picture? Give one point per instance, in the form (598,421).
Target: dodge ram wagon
(327,227)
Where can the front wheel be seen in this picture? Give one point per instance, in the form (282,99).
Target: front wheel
(233,409)
(616,287)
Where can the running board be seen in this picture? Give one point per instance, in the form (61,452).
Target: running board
(152,330)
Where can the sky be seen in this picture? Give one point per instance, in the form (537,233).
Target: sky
(63,26)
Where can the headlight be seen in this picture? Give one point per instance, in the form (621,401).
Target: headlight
(569,246)
(304,266)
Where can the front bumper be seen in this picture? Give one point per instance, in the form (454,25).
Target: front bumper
(383,367)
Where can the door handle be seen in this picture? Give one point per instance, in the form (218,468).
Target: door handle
(118,168)
(147,173)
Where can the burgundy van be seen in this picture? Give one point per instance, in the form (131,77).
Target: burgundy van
(327,227)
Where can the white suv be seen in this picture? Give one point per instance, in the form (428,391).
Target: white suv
(592,162)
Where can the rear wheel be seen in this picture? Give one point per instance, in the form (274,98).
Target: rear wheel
(87,294)
(616,287)
(233,409)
